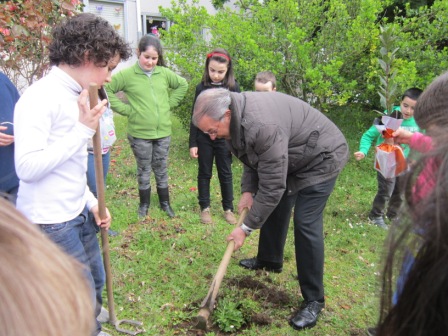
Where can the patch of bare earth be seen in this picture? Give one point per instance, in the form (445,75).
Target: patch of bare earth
(263,291)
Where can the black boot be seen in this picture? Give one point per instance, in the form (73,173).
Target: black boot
(164,199)
(145,200)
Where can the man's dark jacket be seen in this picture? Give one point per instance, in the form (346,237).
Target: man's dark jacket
(285,144)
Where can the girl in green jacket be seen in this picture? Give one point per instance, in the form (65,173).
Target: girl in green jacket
(152,90)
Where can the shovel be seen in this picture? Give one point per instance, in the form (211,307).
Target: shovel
(99,178)
(208,304)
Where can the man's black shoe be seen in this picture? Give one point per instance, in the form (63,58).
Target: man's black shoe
(255,264)
(306,317)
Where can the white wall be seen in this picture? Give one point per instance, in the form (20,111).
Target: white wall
(152,6)
(126,21)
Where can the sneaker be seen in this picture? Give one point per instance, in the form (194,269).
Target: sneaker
(378,221)
(206,218)
(102,333)
(371,331)
(392,218)
(230,217)
(112,233)
(103,316)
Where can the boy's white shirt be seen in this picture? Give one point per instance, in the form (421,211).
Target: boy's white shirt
(51,151)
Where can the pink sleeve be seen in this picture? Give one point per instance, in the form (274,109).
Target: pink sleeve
(420,142)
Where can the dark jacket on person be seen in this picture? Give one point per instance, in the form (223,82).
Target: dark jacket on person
(285,144)
(8,99)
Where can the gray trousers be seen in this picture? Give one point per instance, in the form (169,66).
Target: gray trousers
(389,194)
(151,155)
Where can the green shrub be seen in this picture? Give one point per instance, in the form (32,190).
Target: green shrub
(227,315)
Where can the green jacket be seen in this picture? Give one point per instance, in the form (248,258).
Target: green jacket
(373,136)
(150,99)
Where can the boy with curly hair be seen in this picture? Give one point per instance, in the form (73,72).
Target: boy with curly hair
(53,122)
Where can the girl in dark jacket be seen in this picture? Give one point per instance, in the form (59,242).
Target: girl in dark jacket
(218,73)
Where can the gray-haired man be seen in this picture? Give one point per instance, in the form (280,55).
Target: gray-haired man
(292,155)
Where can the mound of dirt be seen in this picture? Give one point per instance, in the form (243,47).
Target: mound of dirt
(270,294)
(260,319)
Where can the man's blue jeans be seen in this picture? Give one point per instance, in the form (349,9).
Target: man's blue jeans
(77,238)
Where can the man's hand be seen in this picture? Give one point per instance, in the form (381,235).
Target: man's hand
(90,117)
(194,152)
(102,223)
(5,139)
(238,236)
(246,201)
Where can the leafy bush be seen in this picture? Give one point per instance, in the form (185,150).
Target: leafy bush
(324,52)
(25,34)
(227,315)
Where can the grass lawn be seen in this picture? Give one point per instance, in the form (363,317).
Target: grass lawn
(162,268)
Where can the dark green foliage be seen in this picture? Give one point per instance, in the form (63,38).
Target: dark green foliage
(325,52)
(387,88)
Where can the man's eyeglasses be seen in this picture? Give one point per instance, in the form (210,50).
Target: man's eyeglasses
(215,131)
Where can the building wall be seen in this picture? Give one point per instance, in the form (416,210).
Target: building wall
(135,18)
(122,14)
(151,17)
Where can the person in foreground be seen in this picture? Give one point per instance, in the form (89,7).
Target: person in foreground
(53,123)
(418,243)
(9,182)
(292,155)
(43,291)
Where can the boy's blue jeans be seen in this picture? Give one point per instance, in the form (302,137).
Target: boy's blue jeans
(91,180)
(77,238)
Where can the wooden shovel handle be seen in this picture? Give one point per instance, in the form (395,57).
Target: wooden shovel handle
(209,301)
(99,178)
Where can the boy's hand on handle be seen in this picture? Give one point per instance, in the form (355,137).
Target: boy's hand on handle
(194,152)
(246,201)
(102,223)
(238,236)
(359,156)
(402,136)
(90,117)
